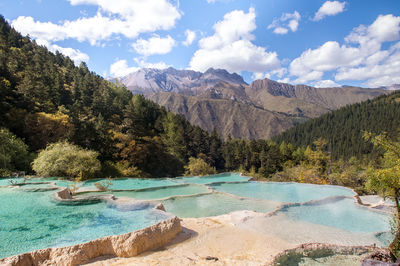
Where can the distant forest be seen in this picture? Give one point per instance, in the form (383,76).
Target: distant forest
(343,129)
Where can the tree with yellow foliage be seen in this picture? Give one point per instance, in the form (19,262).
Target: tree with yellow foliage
(386,179)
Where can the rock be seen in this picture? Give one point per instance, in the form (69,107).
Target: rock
(370,262)
(160,207)
(64,194)
(211,258)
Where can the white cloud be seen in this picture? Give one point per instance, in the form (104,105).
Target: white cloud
(119,17)
(327,57)
(190,37)
(325,84)
(293,25)
(281,30)
(329,8)
(384,72)
(40,30)
(285,80)
(158,65)
(279,73)
(312,75)
(384,29)
(120,69)
(154,45)
(364,61)
(76,55)
(288,21)
(231,48)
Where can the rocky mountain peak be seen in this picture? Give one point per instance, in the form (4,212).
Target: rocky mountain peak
(189,82)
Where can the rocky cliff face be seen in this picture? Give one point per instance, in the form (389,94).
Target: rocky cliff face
(220,100)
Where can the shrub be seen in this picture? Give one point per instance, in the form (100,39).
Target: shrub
(67,160)
(14,153)
(197,166)
(103,185)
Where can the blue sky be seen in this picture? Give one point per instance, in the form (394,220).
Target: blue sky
(314,42)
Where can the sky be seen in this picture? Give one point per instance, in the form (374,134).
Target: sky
(314,42)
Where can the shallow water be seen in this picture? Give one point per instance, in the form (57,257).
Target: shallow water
(284,192)
(214,204)
(31,220)
(344,214)
(34,220)
(226,177)
(6,181)
(132,183)
(155,193)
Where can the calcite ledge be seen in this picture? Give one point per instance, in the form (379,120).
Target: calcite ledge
(125,245)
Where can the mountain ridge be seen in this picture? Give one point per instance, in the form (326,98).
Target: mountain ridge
(185,91)
(188,82)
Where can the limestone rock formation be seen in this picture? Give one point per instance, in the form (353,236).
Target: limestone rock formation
(126,245)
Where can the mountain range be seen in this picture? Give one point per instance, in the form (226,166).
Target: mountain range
(217,99)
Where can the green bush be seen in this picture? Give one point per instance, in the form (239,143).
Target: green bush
(66,160)
(198,166)
(14,155)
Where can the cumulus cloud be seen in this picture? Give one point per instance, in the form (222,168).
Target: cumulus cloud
(230,47)
(76,55)
(361,58)
(279,73)
(385,71)
(329,8)
(120,69)
(158,65)
(288,21)
(326,57)
(119,17)
(325,84)
(190,37)
(154,45)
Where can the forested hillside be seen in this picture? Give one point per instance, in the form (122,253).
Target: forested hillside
(57,112)
(344,128)
(45,98)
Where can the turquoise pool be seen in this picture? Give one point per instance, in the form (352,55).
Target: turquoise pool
(6,181)
(214,204)
(133,183)
(59,182)
(155,193)
(32,220)
(283,192)
(226,177)
(343,214)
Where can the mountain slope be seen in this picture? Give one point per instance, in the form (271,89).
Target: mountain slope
(241,107)
(225,116)
(344,128)
(264,93)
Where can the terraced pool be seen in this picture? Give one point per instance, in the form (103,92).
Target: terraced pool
(32,219)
